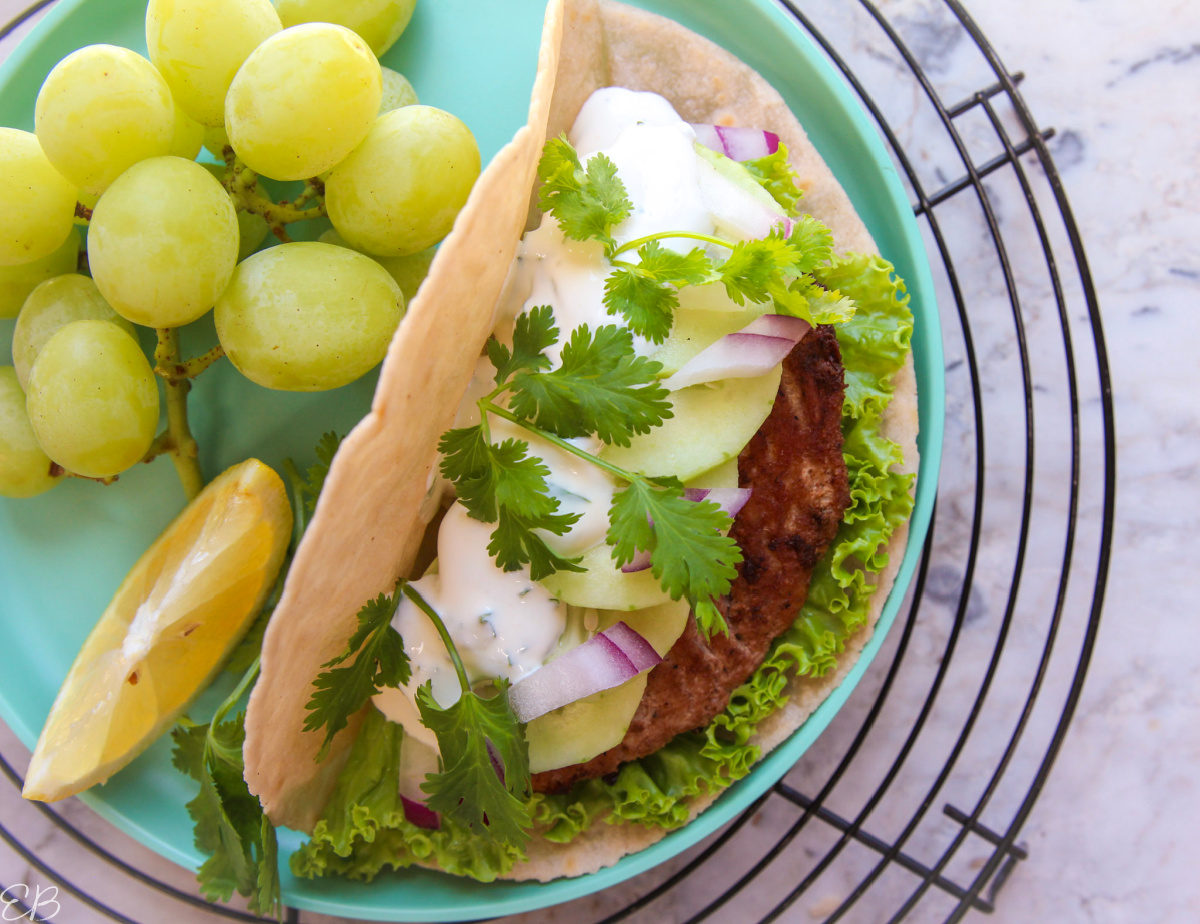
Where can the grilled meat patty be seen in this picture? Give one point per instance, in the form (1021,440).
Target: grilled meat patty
(800,492)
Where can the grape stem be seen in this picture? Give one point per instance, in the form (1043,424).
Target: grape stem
(57,471)
(82,212)
(242,184)
(187,368)
(177,440)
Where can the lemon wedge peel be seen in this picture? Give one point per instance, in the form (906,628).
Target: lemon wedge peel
(182,608)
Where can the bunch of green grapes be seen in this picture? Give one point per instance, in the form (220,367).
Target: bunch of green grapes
(287,92)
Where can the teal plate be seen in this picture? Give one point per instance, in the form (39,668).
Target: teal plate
(63,554)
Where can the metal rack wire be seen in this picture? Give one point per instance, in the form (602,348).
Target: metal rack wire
(968,704)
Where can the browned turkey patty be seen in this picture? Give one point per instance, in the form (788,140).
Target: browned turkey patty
(800,492)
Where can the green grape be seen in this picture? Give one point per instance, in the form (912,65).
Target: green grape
(24,467)
(408,271)
(215,140)
(37,203)
(101,110)
(93,399)
(52,306)
(198,45)
(308,316)
(401,189)
(16,282)
(163,242)
(252,229)
(379,22)
(397,91)
(188,136)
(302,101)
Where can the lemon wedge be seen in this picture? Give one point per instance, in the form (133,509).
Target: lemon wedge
(178,613)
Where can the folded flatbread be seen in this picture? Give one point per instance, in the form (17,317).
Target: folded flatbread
(368,524)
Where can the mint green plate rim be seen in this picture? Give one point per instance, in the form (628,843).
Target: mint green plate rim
(765,36)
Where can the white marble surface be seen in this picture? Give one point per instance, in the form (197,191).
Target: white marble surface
(1113,837)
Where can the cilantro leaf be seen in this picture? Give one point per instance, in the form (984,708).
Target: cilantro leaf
(646,304)
(587,203)
(188,753)
(469,789)
(533,335)
(266,898)
(776,176)
(466,462)
(317,472)
(789,300)
(689,553)
(813,244)
(381,662)
(752,266)
(519,480)
(601,387)
(645,293)
(825,306)
(503,484)
(514,543)
(805,298)
(678,269)
(230,826)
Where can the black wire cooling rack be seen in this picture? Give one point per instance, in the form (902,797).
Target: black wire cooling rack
(912,803)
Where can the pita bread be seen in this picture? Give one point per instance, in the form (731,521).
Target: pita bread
(373,492)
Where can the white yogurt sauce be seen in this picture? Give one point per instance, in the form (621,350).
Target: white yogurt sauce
(504,623)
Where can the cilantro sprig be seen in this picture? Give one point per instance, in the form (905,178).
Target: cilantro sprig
(590,201)
(775,269)
(381,662)
(689,551)
(230,825)
(600,387)
(484,783)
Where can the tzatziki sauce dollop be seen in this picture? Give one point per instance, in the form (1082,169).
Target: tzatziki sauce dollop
(505,624)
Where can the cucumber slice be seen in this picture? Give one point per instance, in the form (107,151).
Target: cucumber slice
(737,173)
(724,475)
(694,331)
(603,586)
(660,625)
(580,730)
(740,209)
(713,296)
(712,424)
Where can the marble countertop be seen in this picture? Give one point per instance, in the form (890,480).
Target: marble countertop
(1112,838)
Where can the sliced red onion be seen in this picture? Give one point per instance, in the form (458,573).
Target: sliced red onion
(639,651)
(731,500)
(779,325)
(737,143)
(420,814)
(754,350)
(639,562)
(417,760)
(604,661)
